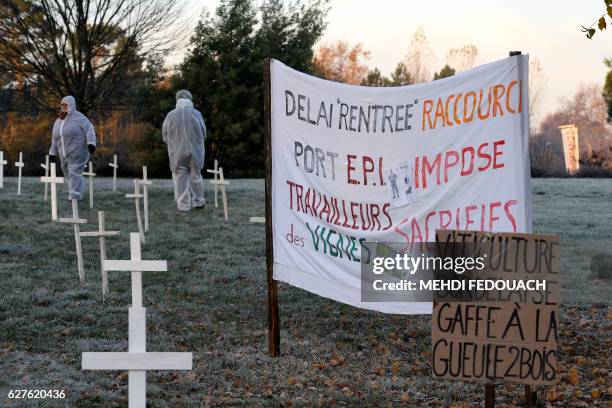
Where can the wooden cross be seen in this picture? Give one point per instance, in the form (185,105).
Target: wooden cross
(102,234)
(91,175)
(2,163)
(137,196)
(46,167)
(76,222)
(19,165)
(222,183)
(145,182)
(137,360)
(115,167)
(53,180)
(215,171)
(258,220)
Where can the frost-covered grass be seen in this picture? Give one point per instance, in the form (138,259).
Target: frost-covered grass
(212,301)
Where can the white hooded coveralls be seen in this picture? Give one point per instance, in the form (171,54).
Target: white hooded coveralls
(69,140)
(184,132)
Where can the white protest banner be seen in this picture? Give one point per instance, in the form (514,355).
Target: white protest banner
(459,145)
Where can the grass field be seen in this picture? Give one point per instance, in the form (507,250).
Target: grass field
(212,301)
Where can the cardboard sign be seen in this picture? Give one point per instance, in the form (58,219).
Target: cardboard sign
(495,341)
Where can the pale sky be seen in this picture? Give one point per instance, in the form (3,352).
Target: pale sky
(546,29)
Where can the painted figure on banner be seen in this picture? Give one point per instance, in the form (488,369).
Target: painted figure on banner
(73,138)
(401,188)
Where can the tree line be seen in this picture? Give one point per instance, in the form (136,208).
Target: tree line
(111,55)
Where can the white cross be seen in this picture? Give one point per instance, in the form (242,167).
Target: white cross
(2,163)
(137,360)
(102,234)
(215,171)
(91,175)
(258,220)
(137,196)
(115,167)
(19,165)
(46,167)
(76,222)
(53,180)
(222,183)
(145,182)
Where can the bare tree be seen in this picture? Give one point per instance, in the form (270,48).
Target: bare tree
(462,59)
(88,48)
(537,86)
(341,62)
(420,57)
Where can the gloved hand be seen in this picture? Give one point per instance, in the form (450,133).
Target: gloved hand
(91,148)
(52,158)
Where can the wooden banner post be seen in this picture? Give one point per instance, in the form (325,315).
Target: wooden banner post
(531,394)
(273,314)
(19,165)
(46,167)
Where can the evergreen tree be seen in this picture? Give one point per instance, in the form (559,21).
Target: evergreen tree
(224,72)
(401,76)
(445,72)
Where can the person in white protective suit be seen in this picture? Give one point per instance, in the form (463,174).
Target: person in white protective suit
(74,139)
(184,132)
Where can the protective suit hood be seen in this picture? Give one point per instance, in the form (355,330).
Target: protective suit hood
(184,103)
(71,102)
(184,94)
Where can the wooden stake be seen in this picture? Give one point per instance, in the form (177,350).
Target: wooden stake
(46,167)
(2,163)
(115,167)
(489,395)
(215,173)
(531,396)
(91,175)
(76,223)
(102,234)
(273,314)
(53,180)
(222,183)
(19,165)
(137,196)
(223,193)
(145,190)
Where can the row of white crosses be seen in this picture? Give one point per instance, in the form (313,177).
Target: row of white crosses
(219,182)
(137,361)
(19,164)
